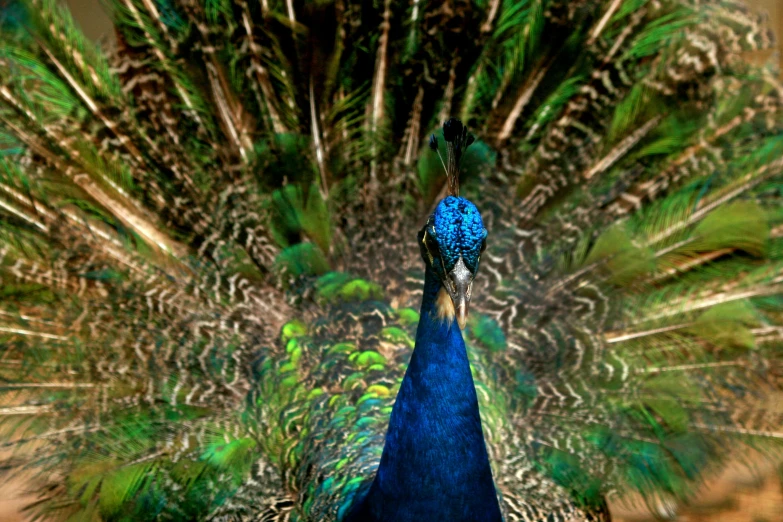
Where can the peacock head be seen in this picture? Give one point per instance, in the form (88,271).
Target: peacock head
(454,237)
(451,244)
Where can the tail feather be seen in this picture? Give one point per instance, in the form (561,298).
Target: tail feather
(612,359)
(174,326)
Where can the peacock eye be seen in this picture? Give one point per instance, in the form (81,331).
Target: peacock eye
(431,244)
(483,246)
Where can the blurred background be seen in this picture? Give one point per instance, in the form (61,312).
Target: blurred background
(750,490)
(96,23)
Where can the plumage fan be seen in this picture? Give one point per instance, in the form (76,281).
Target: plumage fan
(211,270)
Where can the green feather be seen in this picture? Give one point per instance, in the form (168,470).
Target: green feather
(210,270)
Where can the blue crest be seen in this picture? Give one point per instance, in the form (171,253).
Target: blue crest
(459,231)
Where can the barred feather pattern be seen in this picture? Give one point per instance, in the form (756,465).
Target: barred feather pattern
(210,274)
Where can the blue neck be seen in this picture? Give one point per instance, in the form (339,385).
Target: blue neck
(434,464)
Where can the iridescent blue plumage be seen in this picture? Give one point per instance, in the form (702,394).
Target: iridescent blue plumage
(460,231)
(209,267)
(435,464)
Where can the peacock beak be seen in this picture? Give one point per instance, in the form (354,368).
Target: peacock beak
(459,286)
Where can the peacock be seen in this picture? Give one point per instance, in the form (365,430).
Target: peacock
(339,260)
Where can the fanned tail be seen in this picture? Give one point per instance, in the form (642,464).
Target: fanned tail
(208,247)
(633,294)
(134,269)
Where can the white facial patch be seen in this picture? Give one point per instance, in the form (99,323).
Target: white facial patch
(445,306)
